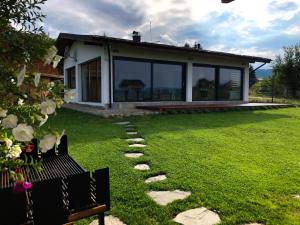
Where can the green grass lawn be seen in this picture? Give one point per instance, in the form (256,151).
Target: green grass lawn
(244,165)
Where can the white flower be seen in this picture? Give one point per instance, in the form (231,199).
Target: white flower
(8,142)
(43,120)
(50,55)
(14,152)
(37,77)
(56,60)
(10,121)
(48,107)
(21,76)
(21,101)
(3,112)
(23,132)
(69,95)
(59,137)
(47,142)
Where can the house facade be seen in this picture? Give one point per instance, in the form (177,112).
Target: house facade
(112,72)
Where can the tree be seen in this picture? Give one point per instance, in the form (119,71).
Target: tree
(263,87)
(287,71)
(25,100)
(252,76)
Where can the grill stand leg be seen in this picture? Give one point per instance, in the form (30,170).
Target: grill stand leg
(101,218)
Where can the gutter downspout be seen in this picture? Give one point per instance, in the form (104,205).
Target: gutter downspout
(259,66)
(109,73)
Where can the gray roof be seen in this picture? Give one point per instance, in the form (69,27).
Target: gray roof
(66,39)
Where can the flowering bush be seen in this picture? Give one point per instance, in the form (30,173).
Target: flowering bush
(26,101)
(23,115)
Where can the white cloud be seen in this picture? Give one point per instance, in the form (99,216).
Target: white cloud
(253,27)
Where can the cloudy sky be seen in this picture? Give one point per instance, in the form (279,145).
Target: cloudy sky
(253,27)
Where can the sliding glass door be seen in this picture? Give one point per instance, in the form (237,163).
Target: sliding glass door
(167,82)
(217,83)
(204,87)
(230,83)
(132,81)
(138,80)
(91,81)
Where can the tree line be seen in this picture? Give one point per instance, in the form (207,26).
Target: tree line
(285,79)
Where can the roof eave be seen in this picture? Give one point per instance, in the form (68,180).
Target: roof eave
(67,39)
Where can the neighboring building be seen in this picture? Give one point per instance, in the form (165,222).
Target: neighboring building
(48,72)
(113,72)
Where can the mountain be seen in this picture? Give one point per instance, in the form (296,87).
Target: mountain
(263,73)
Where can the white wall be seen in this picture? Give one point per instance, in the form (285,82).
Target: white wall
(81,53)
(246,84)
(87,52)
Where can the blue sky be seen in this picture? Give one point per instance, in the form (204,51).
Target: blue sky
(252,27)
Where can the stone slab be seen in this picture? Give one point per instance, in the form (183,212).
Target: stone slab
(296,196)
(109,220)
(122,123)
(135,139)
(142,167)
(165,197)
(156,178)
(198,216)
(253,224)
(136,145)
(132,133)
(131,129)
(134,155)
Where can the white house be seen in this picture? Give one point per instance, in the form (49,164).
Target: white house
(113,72)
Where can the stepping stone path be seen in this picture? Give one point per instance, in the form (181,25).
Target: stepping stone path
(156,178)
(136,145)
(123,123)
(198,216)
(134,155)
(135,139)
(142,167)
(109,220)
(165,197)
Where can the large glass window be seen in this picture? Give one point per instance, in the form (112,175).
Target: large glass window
(146,80)
(203,83)
(167,82)
(91,81)
(230,83)
(132,81)
(216,83)
(71,80)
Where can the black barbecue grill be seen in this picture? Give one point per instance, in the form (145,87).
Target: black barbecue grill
(61,193)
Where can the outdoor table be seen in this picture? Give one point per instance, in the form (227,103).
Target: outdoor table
(62,192)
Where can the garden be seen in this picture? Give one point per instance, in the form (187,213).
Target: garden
(244,166)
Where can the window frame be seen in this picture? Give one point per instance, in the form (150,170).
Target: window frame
(69,76)
(100,78)
(152,62)
(217,80)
